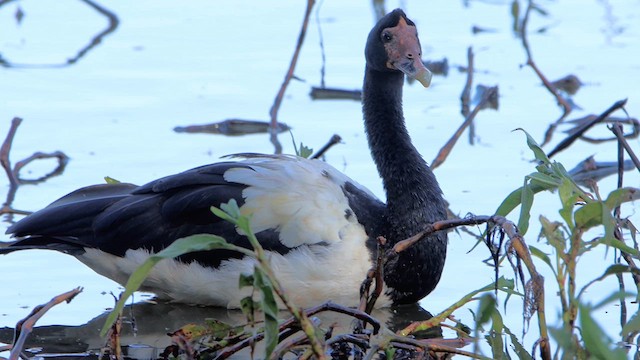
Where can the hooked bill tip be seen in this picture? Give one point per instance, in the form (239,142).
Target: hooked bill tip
(424,77)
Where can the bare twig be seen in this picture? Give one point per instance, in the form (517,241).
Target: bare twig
(586,126)
(335,139)
(552,89)
(446,149)
(6,149)
(617,130)
(279,97)
(62,158)
(25,326)
(292,322)
(376,273)
(321,41)
(635,128)
(465,97)
(14,182)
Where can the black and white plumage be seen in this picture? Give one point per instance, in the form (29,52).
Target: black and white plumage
(317,224)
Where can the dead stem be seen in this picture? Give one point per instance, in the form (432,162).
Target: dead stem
(617,130)
(25,326)
(62,158)
(522,250)
(465,97)
(335,139)
(6,149)
(378,276)
(635,128)
(13,173)
(292,325)
(623,146)
(279,97)
(586,126)
(552,89)
(446,149)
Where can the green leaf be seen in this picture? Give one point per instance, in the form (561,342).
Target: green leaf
(623,247)
(270,309)
(632,326)
(597,343)
(563,336)
(544,180)
(110,180)
(619,196)
(537,150)
(542,256)
(486,308)
(305,151)
(568,198)
(495,336)
(202,242)
(526,200)
(513,200)
(522,353)
(232,209)
(553,234)
(611,270)
(245,280)
(248,307)
(589,215)
(389,352)
(509,203)
(615,296)
(301,151)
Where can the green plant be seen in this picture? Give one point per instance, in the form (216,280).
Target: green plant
(262,279)
(581,213)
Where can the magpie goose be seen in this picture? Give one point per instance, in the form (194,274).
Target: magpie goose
(317,225)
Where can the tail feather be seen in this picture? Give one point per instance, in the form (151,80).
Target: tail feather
(65,245)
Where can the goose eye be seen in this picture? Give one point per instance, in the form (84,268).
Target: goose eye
(386,37)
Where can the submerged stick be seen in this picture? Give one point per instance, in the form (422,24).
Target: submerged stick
(617,131)
(465,97)
(335,139)
(446,149)
(25,326)
(578,132)
(280,95)
(6,149)
(566,107)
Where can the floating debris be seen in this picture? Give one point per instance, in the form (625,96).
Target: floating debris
(233,127)
(579,123)
(475,29)
(492,100)
(437,67)
(324,93)
(570,84)
(589,170)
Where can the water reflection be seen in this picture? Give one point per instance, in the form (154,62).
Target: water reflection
(151,323)
(95,40)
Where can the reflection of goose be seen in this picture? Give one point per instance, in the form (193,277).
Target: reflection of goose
(154,321)
(318,225)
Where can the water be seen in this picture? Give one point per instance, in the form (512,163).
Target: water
(171,64)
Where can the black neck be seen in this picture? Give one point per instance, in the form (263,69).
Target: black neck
(414,198)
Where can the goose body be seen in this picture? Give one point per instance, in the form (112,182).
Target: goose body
(317,225)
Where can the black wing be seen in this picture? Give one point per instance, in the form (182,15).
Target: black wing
(118,217)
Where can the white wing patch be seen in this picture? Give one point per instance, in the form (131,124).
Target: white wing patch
(302,199)
(310,275)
